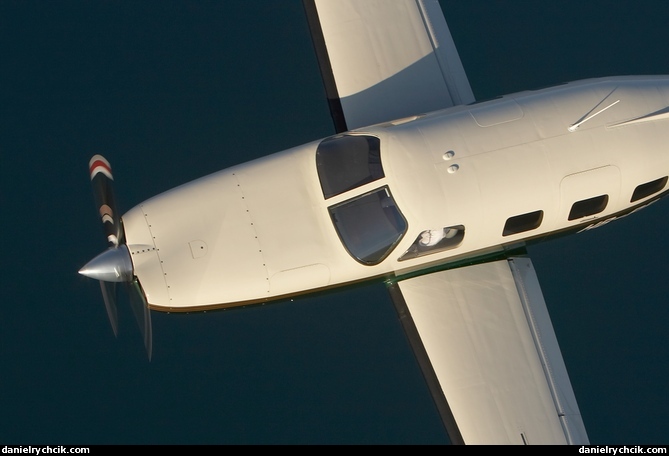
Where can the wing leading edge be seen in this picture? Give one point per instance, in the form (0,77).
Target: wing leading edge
(383,60)
(481,333)
(486,345)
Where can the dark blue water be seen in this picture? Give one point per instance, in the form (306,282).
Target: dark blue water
(173,90)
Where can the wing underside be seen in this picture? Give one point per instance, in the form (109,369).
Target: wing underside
(486,345)
(383,60)
(481,333)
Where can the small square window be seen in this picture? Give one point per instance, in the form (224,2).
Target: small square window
(524,222)
(587,207)
(435,240)
(648,189)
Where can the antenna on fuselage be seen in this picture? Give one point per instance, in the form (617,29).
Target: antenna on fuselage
(578,124)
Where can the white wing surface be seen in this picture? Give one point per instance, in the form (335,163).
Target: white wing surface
(383,60)
(487,347)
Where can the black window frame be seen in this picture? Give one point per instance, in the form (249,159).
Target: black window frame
(347,218)
(448,242)
(649,188)
(586,207)
(345,162)
(523,222)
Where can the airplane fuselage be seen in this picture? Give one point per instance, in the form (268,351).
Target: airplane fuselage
(432,190)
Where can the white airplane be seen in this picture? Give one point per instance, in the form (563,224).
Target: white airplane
(424,188)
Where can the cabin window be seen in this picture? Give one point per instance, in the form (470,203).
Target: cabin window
(433,241)
(524,222)
(369,225)
(346,162)
(648,189)
(589,206)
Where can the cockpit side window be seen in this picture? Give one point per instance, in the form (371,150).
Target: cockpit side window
(346,162)
(369,226)
(435,240)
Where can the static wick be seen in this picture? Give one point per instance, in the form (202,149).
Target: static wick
(578,124)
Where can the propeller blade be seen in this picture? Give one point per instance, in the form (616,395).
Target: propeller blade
(109,296)
(101,180)
(140,308)
(115,264)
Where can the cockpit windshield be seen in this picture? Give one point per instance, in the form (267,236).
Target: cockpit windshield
(369,225)
(348,161)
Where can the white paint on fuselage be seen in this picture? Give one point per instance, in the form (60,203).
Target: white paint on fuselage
(262,230)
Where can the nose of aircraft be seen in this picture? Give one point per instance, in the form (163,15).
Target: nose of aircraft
(112,265)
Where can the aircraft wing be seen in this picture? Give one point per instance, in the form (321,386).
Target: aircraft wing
(481,333)
(485,342)
(383,60)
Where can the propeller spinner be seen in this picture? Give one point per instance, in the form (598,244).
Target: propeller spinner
(114,265)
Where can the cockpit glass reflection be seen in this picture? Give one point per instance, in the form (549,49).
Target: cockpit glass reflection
(369,225)
(346,162)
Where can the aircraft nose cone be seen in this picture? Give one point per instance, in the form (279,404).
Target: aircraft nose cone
(112,265)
